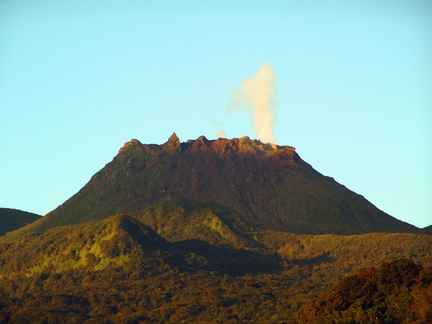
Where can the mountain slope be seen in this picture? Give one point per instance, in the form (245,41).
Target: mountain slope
(268,185)
(12,219)
(396,292)
(92,246)
(182,261)
(181,219)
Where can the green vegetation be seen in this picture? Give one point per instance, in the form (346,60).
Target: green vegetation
(218,231)
(181,219)
(396,292)
(12,219)
(271,187)
(184,261)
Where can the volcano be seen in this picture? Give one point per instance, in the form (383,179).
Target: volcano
(268,185)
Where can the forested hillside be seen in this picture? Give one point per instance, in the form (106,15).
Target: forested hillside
(182,261)
(396,292)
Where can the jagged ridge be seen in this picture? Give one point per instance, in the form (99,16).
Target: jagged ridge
(268,185)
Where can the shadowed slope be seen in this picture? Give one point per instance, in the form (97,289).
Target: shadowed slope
(268,185)
(181,219)
(12,219)
(204,264)
(428,230)
(203,241)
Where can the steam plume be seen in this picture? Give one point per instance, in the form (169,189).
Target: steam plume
(256,95)
(220,133)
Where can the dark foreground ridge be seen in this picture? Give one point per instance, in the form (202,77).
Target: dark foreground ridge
(12,219)
(267,185)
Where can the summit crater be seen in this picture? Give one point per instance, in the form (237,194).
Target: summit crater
(267,185)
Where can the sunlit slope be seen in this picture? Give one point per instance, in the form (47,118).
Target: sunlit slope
(268,185)
(213,232)
(119,243)
(181,260)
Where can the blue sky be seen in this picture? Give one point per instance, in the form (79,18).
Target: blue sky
(80,78)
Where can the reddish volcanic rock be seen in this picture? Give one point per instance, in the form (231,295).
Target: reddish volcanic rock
(268,185)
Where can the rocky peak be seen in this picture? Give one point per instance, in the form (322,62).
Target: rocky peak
(201,144)
(221,146)
(268,185)
(129,144)
(245,145)
(173,143)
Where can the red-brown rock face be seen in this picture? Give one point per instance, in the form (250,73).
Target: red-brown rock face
(268,185)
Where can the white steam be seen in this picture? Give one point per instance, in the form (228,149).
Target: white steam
(220,133)
(256,95)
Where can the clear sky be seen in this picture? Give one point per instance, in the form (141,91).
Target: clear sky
(80,78)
